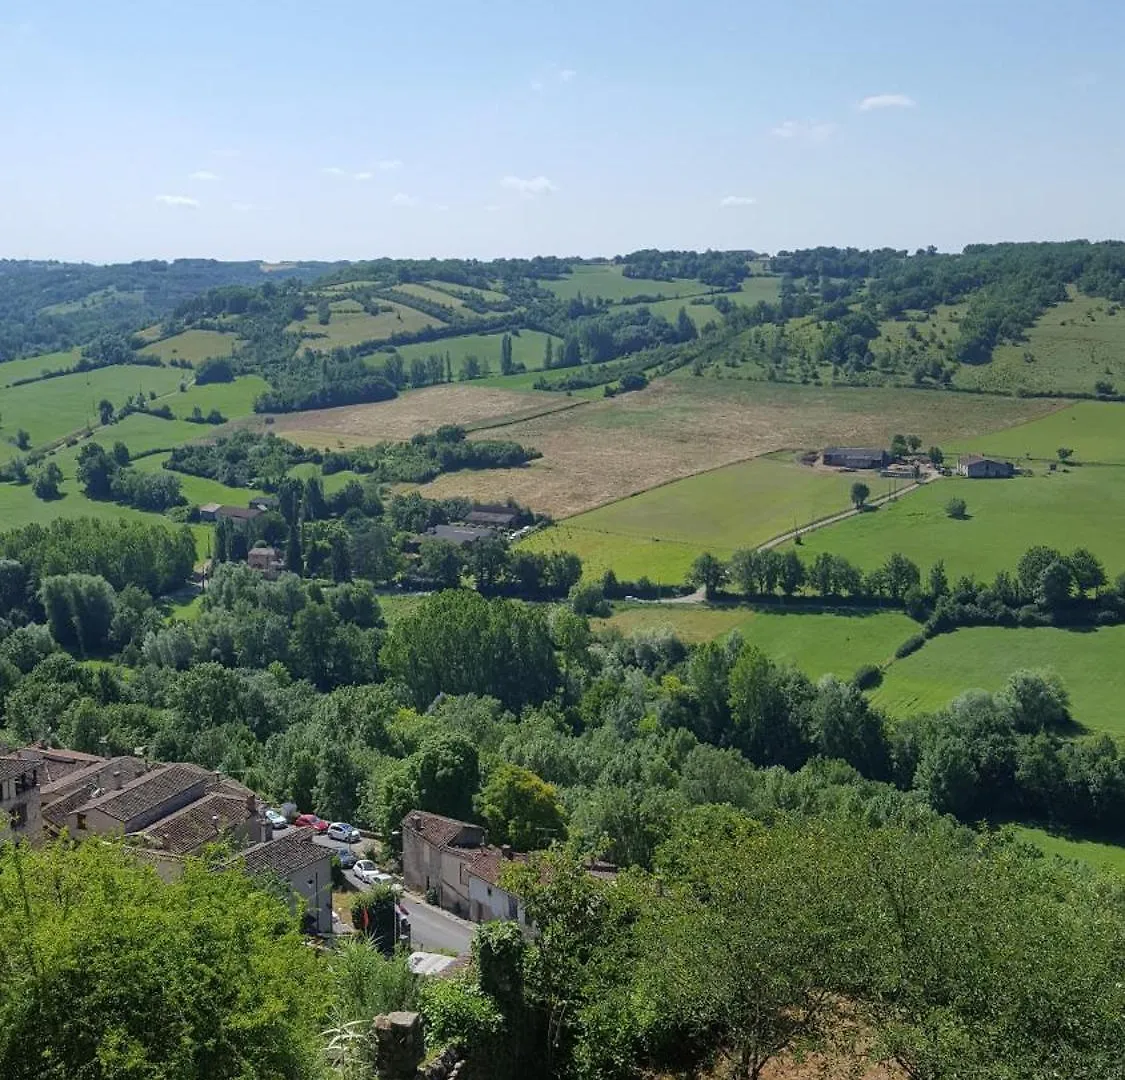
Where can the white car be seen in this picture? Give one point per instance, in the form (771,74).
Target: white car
(370,874)
(342,831)
(276,819)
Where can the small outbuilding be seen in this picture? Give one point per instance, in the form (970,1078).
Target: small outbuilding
(855,457)
(978,467)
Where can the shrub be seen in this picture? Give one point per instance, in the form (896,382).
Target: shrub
(458,1013)
(957,508)
(868,677)
(911,645)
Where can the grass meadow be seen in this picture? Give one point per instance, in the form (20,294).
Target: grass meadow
(1089,663)
(55,408)
(1092,852)
(31,367)
(818,643)
(1083,507)
(233,399)
(194,346)
(659,532)
(609,283)
(451,289)
(528,348)
(351,327)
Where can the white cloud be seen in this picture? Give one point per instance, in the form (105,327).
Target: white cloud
(177,200)
(737,200)
(363,176)
(389,165)
(402,199)
(805,131)
(567,74)
(333,170)
(441,208)
(537,86)
(886,101)
(203,174)
(530,188)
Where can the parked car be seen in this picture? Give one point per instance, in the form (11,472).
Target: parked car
(276,819)
(341,830)
(311,821)
(370,874)
(347,857)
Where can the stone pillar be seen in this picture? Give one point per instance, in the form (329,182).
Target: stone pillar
(399,1045)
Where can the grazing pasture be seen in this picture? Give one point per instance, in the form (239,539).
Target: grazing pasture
(194,346)
(233,399)
(612,448)
(199,490)
(55,408)
(1080,507)
(818,643)
(1089,663)
(436,296)
(351,327)
(659,532)
(31,367)
(1098,855)
(448,287)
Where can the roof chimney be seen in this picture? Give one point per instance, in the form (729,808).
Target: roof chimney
(117,779)
(506,851)
(416,821)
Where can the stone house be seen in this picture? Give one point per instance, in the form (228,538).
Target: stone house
(435,850)
(20,800)
(978,467)
(855,457)
(306,867)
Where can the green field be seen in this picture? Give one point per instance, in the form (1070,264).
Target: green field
(31,367)
(1071,347)
(816,642)
(700,314)
(198,490)
(448,287)
(1083,507)
(528,348)
(436,296)
(194,346)
(55,408)
(350,327)
(1094,430)
(759,287)
(232,399)
(609,283)
(659,532)
(983,657)
(1098,855)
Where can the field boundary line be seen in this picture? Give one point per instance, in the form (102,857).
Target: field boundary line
(511,419)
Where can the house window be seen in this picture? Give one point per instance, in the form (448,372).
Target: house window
(19,816)
(81,821)
(513,908)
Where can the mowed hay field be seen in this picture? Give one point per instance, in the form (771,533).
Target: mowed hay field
(55,408)
(611,448)
(350,325)
(233,399)
(659,532)
(818,643)
(194,346)
(413,412)
(528,348)
(1072,346)
(1088,662)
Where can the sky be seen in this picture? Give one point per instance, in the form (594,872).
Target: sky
(276,130)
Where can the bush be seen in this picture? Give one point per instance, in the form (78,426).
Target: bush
(458,1013)
(957,508)
(868,677)
(911,645)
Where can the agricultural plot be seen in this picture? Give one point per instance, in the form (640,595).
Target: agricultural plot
(436,296)
(351,327)
(700,314)
(233,399)
(760,287)
(1088,662)
(659,532)
(528,348)
(1094,430)
(1098,855)
(819,643)
(194,346)
(1073,346)
(468,404)
(1082,507)
(609,283)
(198,490)
(55,408)
(611,448)
(491,295)
(31,367)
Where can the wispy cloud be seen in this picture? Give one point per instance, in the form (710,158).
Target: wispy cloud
(177,200)
(402,199)
(805,131)
(529,188)
(737,200)
(537,85)
(388,165)
(203,174)
(566,74)
(334,170)
(363,176)
(887,101)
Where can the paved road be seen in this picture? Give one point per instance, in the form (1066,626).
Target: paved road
(430,927)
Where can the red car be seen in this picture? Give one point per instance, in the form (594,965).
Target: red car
(311,821)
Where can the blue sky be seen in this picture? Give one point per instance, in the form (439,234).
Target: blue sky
(251,129)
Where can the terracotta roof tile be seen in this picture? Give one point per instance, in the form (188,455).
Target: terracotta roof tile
(189,829)
(294,850)
(147,792)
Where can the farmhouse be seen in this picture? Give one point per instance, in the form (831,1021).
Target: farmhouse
(978,467)
(459,534)
(854,457)
(241,514)
(266,560)
(497,517)
(209,511)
